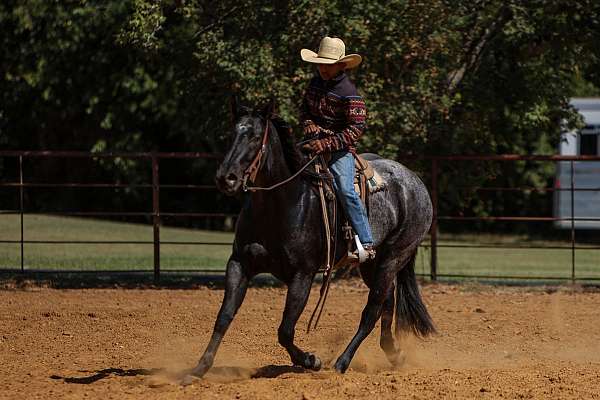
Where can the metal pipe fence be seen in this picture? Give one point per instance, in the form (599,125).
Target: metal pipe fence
(157,215)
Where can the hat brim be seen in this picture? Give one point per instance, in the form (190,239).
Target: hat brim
(351,60)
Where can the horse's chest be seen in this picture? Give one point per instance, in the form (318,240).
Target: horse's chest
(280,237)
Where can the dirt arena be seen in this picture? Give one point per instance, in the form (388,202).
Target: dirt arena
(493,342)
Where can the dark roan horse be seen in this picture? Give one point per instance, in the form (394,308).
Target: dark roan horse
(281,232)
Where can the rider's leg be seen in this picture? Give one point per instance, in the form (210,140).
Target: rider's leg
(342,168)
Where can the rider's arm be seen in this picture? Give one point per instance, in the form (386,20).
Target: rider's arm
(356,113)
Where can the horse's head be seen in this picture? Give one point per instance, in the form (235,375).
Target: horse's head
(243,159)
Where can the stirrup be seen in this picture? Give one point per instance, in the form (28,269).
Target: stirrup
(363,254)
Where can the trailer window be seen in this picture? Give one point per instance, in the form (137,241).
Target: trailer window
(588,145)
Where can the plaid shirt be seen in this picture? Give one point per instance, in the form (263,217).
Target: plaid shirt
(336,108)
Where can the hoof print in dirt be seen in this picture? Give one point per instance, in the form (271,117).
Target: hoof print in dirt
(158,383)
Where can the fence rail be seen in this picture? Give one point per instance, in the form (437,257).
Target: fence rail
(156,214)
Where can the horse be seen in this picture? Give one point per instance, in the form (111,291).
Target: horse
(280,231)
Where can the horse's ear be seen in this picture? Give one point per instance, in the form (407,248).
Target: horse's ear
(234,106)
(270,108)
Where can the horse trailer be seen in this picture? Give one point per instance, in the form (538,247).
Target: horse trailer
(585,175)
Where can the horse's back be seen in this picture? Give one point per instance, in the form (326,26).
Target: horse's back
(371,156)
(404,208)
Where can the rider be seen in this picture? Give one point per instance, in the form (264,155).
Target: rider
(333,117)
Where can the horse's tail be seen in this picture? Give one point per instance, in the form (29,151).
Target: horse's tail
(411,313)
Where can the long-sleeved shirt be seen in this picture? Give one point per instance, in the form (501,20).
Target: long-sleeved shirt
(335,106)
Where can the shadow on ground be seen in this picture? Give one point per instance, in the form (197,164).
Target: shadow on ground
(104,373)
(274,371)
(125,280)
(268,371)
(29,280)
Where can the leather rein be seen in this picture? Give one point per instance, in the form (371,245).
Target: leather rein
(255,165)
(331,240)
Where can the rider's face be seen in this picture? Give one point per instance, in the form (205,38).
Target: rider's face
(329,71)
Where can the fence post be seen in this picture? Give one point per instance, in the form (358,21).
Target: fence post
(572,223)
(156,217)
(433,232)
(21,212)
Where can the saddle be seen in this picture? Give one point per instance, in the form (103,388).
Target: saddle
(366,180)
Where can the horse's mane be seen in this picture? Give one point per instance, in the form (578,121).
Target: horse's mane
(292,155)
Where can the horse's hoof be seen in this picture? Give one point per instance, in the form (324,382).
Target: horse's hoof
(340,366)
(199,370)
(188,380)
(397,359)
(313,362)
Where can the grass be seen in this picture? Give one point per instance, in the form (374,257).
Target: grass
(501,262)
(106,256)
(462,261)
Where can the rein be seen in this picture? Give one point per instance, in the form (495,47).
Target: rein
(251,173)
(254,167)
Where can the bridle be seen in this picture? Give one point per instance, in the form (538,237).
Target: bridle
(255,165)
(250,174)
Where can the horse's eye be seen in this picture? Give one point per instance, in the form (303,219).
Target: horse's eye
(243,129)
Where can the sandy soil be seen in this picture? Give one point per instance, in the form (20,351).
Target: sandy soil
(120,344)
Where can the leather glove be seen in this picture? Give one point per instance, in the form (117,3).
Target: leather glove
(314,147)
(311,129)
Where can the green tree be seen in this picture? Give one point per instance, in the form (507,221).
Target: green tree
(440,77)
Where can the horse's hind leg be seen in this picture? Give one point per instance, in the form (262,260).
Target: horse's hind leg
(236,283)
(296,299)
(386,341)
(379,291)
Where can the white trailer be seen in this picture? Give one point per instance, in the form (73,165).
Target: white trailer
(585,174)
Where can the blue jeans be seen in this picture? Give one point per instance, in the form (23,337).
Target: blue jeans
(342,168)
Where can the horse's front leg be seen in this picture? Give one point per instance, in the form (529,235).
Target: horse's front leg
(236,283)
(296,299)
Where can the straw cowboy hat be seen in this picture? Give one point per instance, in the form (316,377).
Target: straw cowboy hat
(331,51)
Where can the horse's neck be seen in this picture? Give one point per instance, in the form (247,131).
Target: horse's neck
(273,171)
(274,168)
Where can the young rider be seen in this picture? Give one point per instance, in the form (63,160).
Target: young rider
(333,117)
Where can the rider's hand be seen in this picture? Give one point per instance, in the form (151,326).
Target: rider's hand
(311,129)
(314,147)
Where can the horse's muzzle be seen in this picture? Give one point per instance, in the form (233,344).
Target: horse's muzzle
(228,183)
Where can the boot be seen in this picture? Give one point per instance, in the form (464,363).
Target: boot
(363,253)
(370,250)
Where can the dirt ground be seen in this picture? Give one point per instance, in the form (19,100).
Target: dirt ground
(493,342)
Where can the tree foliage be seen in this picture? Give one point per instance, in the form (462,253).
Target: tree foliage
(440,77)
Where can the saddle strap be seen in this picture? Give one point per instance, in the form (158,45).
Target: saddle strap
(364,172)
(363,189)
